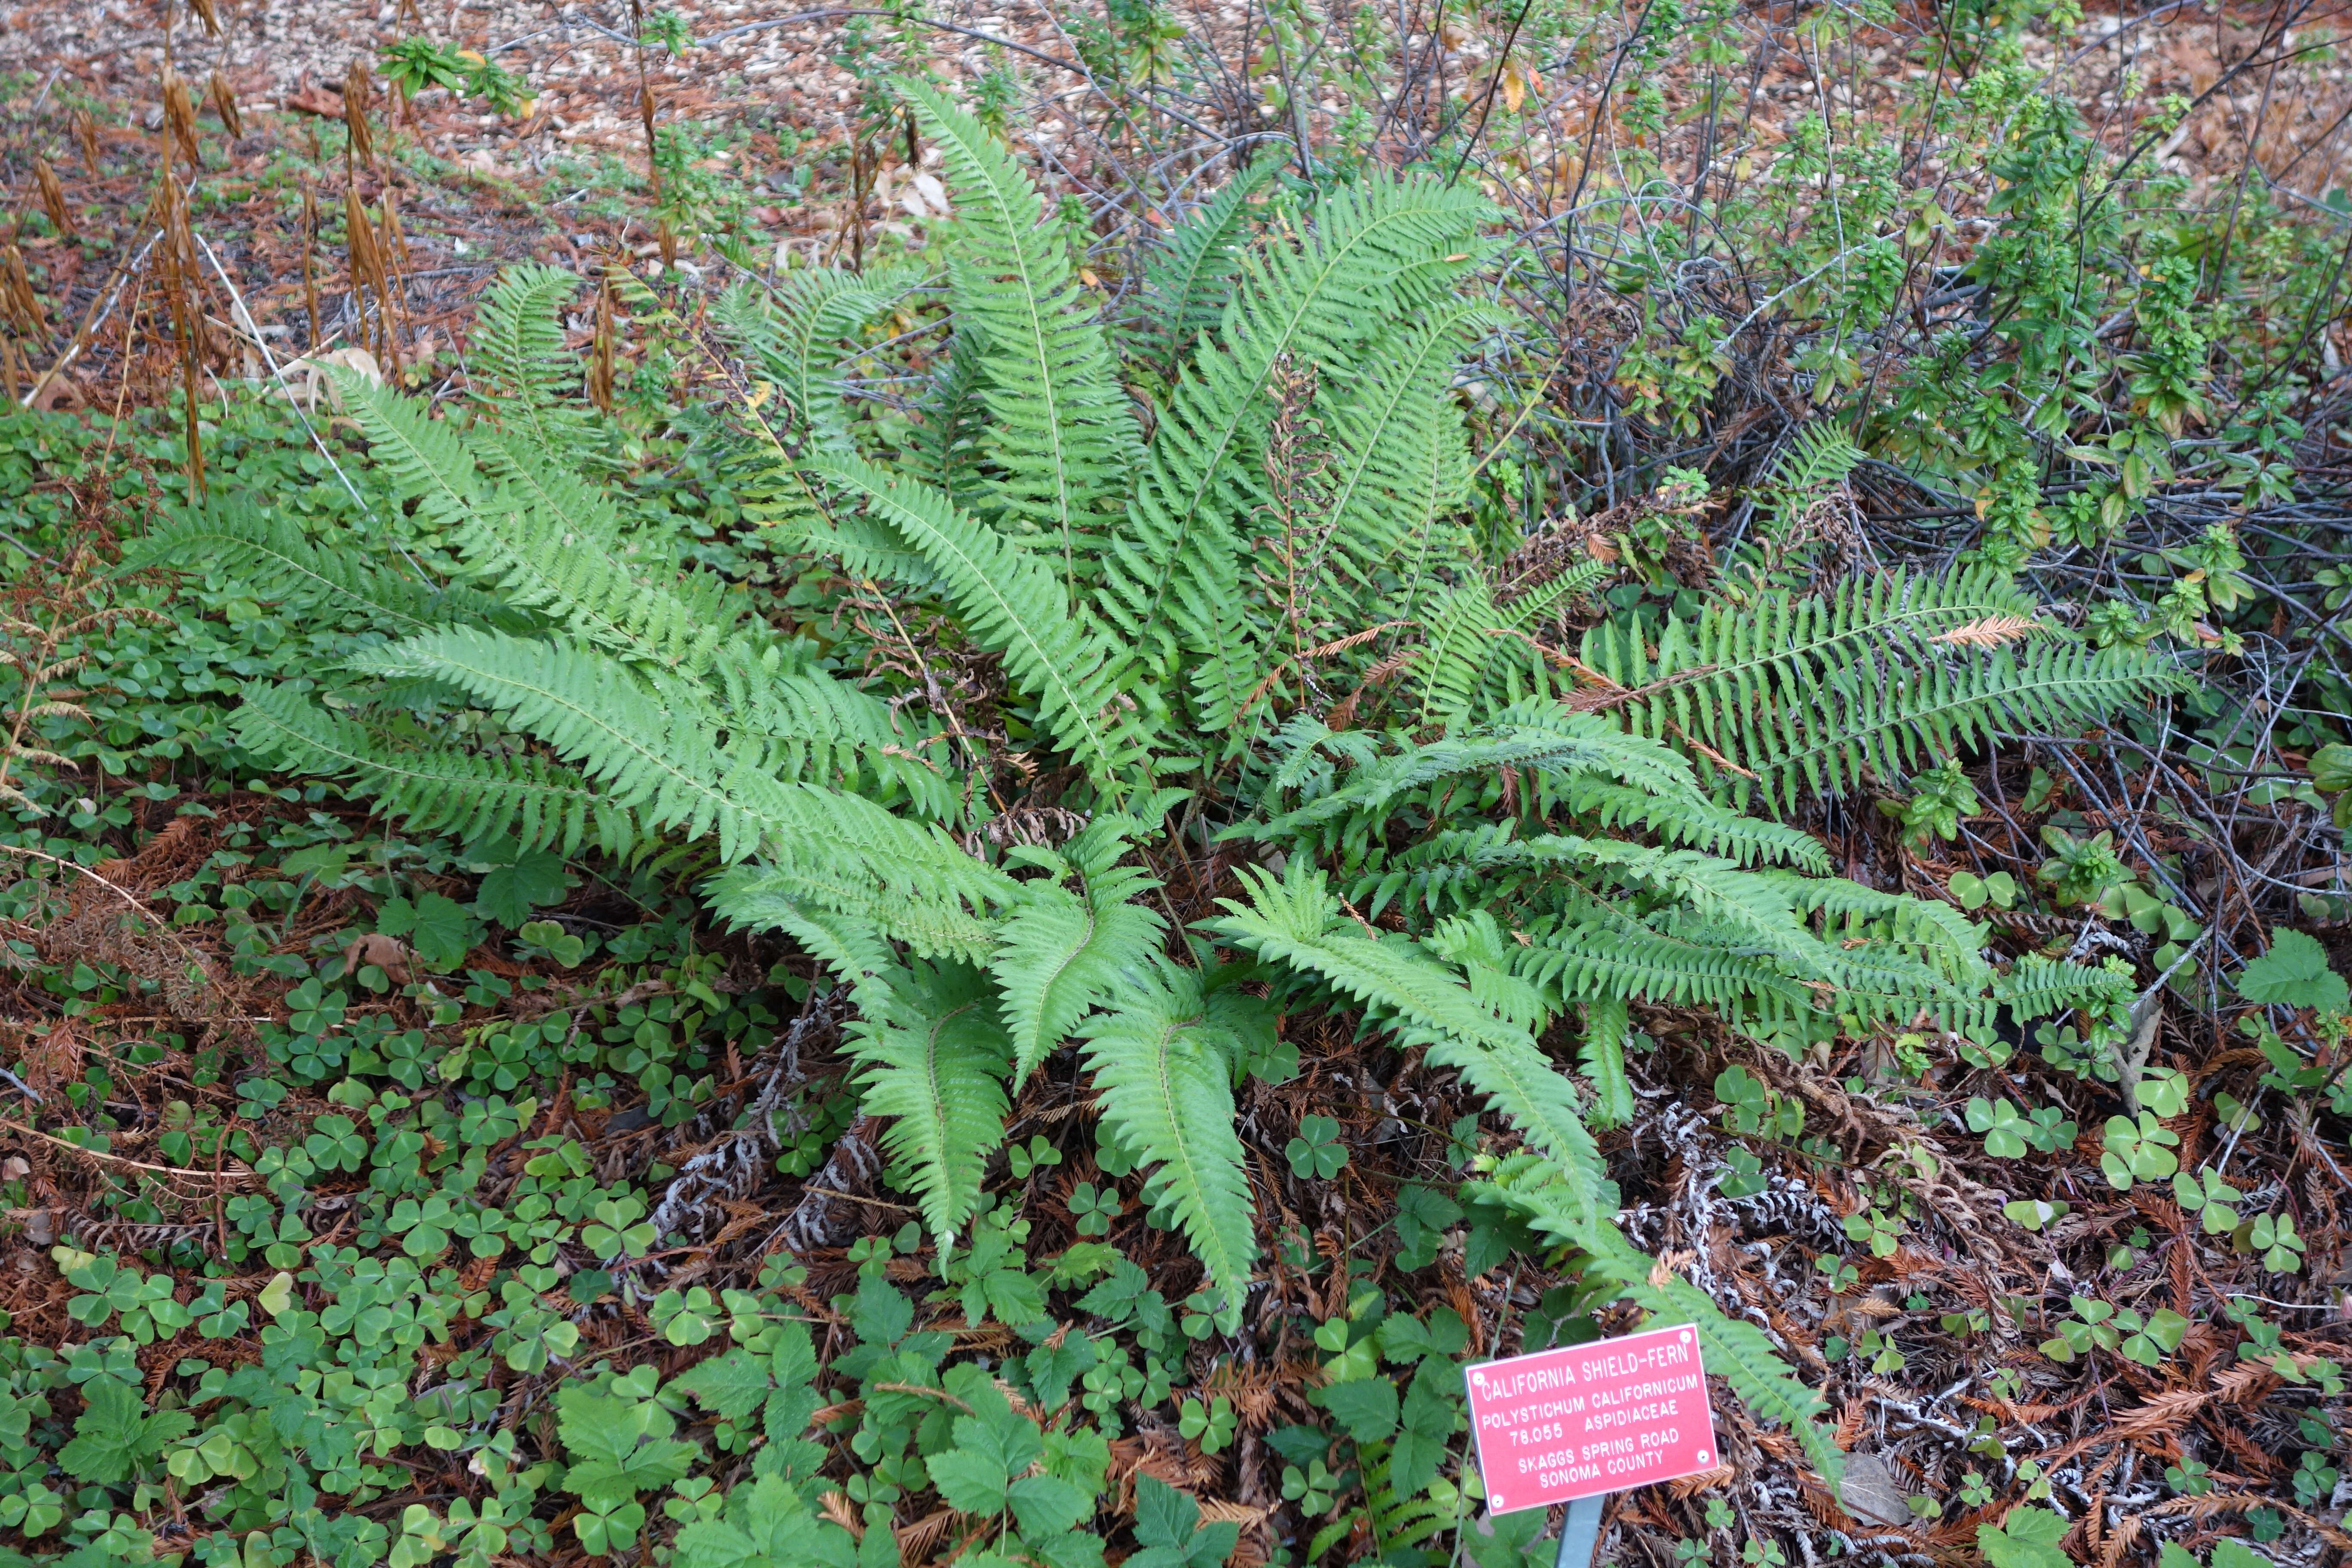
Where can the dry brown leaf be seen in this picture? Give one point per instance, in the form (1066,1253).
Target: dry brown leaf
(1991,632)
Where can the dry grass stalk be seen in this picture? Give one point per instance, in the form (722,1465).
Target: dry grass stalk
(600,361)
(53,197)
(24,305)
(393,244)
(176,260)
(391,262)
(645,118)
(86,131)
(224,103)
(309,269)
(208,15)
(369,271)
(180,119)
(9,374)
(359,88)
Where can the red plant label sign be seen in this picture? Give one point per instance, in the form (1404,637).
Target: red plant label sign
(1585,1419)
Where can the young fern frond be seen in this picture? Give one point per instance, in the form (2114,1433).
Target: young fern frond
(1186,279)
(566,551)
(1697,824)
(1568,747)
(1590,957)
(1295,922)
(1806,694)
(934,1057)
(1061,432)
(521,368)
(1062,952)
(1167,1092)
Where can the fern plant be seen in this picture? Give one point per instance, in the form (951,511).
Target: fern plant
(1264,622)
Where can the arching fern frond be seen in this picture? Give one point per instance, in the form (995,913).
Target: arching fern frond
(553,545)
(1011,602)
(815,727)
(772,897)
(797,333)
(1805,694)
(472,794)
(1400,459)
(1187,277)
(270,554)
(1061,431)
(1167,1093)
(653,748)
(1372,253)
(934,1057)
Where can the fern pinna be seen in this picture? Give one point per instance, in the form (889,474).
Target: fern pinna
(1260,633)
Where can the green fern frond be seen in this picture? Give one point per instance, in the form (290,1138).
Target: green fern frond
(2036,987)
(772,897)
(1010,603)
(472,794)
(1555,744)
(1459,644)
(950,443)
(934,1057)
(653,747)
(1167,1092)
(1620,957)
(1806,694)
(1061,430)
(271,554)
(1820,458)
(1187,277)
(1955,942)
(553,545)
(1294,922)
(859,953)
(519,366)
(814,727)
(1716,889)
(1606,1030)
(797,332)
(1697,824)
(1061,953)
(1374,252)
(1392,424)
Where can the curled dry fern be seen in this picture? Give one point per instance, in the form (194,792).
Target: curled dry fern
(1525,860)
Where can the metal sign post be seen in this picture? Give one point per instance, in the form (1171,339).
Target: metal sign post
(1580,1533)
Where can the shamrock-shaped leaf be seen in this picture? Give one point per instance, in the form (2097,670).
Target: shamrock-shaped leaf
(1316,1150)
